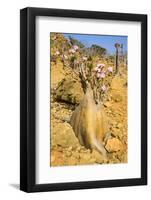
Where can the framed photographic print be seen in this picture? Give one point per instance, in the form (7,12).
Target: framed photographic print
(83,99)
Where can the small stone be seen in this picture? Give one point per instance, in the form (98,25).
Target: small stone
(97,156)
(68,153)
(70,148)
(86,156)
(114,145)
(109,111)
(78,149)
(119,125)
(107,104)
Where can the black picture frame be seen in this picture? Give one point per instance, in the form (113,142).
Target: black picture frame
(28,99)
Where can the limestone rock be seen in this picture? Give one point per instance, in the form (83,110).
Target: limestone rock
(57,75)
(70,91)
(114,145)
(66,137)
(117,89)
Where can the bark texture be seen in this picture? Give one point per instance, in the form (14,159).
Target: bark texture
(89,123)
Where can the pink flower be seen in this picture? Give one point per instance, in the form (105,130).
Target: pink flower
(96,69)
(100,65)
(101,75)
(57,53)
(72,51)
(110,69)
(99,70)
(75,47)
(103,88)
(98,75)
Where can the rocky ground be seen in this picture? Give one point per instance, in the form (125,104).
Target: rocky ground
(65,148)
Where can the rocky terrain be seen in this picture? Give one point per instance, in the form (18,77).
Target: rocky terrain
(66,94)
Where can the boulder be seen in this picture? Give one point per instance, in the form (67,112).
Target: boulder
(64,136)
(114,145)
(69,90)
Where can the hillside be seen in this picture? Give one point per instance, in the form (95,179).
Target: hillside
(67,93)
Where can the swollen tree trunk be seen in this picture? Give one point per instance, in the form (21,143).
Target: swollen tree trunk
(88,122)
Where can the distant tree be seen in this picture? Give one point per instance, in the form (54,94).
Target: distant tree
(96,50)
(76,42)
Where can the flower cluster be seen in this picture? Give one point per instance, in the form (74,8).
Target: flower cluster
(110,69)
(57,53)
(100,75)
(100,65)
(84,58)
(73,49)
(101,72)
(97,77)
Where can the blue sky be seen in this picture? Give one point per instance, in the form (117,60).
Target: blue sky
(106,41)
